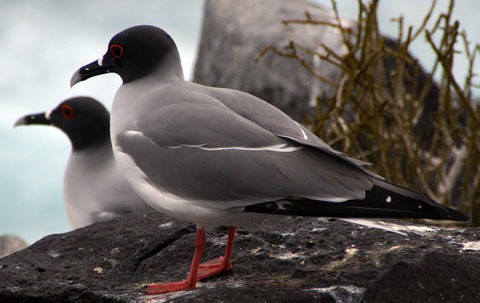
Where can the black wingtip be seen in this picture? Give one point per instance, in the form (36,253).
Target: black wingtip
(384,200)
(455,215)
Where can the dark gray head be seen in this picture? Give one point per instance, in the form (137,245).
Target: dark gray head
(132,54)
(85,121)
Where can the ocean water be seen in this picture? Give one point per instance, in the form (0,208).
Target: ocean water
(43,42)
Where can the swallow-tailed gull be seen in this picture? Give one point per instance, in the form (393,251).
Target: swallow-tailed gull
(217,156)
(94,189)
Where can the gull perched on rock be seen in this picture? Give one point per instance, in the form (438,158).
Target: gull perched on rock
(94,189)
(222,157)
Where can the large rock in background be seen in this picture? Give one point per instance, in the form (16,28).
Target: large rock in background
(235,32)
(286,260)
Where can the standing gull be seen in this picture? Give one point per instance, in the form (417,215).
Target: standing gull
(221,157)
(94,189)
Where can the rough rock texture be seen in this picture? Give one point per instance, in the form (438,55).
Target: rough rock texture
(287,260)
(10,244)
(235,32)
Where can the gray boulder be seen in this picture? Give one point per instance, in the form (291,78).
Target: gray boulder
(287,260)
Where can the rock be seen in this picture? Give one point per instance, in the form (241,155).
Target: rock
(235,32)
(10,244)
(294,259)
(434,278)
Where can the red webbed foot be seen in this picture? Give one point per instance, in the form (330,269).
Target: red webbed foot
(162,288)
(198,271)
(213,267)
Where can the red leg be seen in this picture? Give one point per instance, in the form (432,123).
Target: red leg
(214,267)
(228,248)
(190,283)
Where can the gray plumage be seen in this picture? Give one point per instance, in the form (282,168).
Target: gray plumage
(94,189)
(221,153)
(216,156)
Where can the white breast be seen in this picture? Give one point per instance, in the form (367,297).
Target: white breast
(82,195)
(197,212)
(128,103)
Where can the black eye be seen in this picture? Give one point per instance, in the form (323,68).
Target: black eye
(67,111)
(116,51)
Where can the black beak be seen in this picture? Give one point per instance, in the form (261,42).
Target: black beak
(40,118)
(88,71)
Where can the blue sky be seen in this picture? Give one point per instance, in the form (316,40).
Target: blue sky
(43,42)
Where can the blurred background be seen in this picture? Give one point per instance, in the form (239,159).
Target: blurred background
(43,42)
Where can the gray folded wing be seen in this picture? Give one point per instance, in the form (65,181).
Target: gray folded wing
(274,120)
(206,145)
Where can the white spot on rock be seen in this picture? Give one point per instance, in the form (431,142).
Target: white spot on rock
(417,229)
(351,251)
(472,245)
(388,199)
(343,293)
(115,250)
(54,254)
(256,250)
(286,256)
(166,225)
(372,223)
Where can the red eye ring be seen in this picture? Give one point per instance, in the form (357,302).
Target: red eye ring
(116,51)
(67,111)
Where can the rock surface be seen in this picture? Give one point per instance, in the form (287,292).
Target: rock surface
(288,260)
(10,244)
